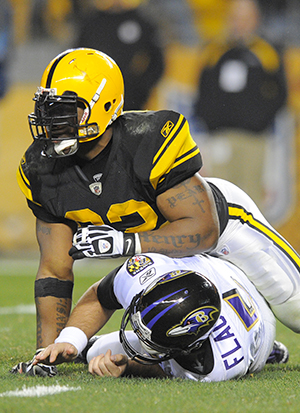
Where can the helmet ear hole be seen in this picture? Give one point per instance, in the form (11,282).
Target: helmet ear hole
(107,106)
(81,104)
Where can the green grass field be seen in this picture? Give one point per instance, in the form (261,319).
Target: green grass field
(275,389)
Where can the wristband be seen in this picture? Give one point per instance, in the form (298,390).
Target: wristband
(138,247)
(74,336)
(131,244)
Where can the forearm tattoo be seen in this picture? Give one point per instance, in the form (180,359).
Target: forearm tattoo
(61,315)
(184,243)
(177,241)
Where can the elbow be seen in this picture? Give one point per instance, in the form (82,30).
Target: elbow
(212,238)
(213,232)
(202,239)
(209,236)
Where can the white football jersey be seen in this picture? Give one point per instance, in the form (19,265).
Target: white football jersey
(243,336)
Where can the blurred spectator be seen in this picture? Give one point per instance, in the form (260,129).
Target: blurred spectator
(179,27)
(209,17)
(54,19)
(274,6)
(6,38)
(118,28)
(241,88)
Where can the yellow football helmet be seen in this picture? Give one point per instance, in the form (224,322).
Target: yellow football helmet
(77,78)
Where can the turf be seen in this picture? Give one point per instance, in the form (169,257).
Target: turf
(275,389)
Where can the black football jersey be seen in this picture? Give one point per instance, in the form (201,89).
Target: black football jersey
(149,153)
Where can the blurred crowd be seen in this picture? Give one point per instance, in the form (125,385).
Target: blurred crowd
(177,19)
(188,22)
(153,27)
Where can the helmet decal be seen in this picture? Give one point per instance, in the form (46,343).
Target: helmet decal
(165,310)
(196,320)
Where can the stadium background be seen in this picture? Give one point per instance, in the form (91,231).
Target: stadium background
(174,91)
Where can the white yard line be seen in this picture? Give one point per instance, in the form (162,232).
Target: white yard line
(18,309)
(38,391)
(82,268)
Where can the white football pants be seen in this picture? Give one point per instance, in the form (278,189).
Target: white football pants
(267,259)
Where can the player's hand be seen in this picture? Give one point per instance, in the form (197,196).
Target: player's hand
(108,365)
(32,368)
(103,241)
(56,354)
(38,369)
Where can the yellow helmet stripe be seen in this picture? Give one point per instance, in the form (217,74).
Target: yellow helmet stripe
(54,65)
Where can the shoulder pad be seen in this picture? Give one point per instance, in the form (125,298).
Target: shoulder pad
(162,143)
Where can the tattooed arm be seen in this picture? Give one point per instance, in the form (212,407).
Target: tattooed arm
(193,221)
(54,280)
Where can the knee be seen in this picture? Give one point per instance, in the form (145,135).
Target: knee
(288,313)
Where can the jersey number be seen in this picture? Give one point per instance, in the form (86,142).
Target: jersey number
(243,307)
(132,211)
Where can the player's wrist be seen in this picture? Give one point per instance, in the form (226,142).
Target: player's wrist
(138,247)
(74,336)
(126,371)
(132,244)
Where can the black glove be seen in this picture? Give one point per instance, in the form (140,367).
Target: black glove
(39,369)
(103,241)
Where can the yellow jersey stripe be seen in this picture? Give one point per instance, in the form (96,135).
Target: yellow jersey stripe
(195,151)
(167,141)
(238,212)
(24,184)
(177,148)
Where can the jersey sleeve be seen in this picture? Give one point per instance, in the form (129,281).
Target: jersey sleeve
(24,180)
(105,292)
(41,213)
(37,209)
(169,155)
